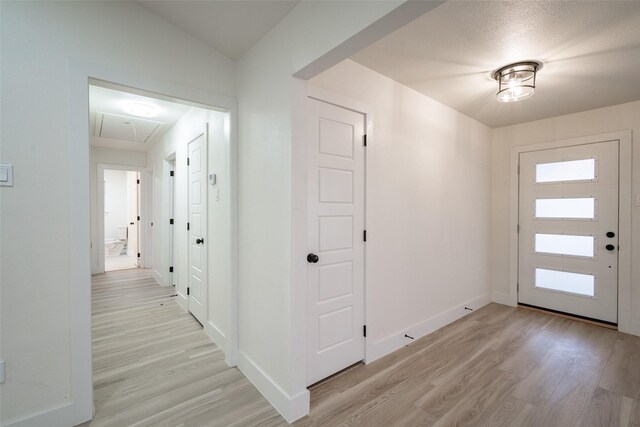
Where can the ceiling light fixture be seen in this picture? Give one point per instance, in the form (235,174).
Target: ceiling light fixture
(516,81)
(139,109)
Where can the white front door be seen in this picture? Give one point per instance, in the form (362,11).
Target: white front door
(336,164)
(197,286)
(568,239)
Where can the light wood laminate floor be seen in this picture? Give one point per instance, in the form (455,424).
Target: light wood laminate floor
(154,366)
(498,366)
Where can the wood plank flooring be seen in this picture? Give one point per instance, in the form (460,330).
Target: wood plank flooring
(154,366)
(499,366)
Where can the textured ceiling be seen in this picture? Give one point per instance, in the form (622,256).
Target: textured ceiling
(231,27)
(590,50)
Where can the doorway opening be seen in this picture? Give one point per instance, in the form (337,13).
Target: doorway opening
(163,209)
(121,219)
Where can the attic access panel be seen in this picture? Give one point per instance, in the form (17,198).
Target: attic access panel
(126,128)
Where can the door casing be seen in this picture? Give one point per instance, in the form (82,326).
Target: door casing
(624,226)
(143,244)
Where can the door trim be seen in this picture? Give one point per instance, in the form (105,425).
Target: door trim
(143,243)
(624,230)
(165,228)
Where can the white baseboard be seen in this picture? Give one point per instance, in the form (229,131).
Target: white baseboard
(397,340)
(290,407)
(635,328)
(61,416)
(504,299)
(182,302)
(157,276)
(216,335)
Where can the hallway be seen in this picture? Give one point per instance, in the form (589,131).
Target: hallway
(153,364)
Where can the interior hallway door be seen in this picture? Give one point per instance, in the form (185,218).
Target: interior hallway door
(568,239)
(336,208)
(197,228)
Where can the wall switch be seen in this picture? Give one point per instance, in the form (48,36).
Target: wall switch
(6,175)
(1,371)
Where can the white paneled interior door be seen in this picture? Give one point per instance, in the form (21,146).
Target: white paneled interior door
(133,213)
(197,286)
(568,239)
(336,207)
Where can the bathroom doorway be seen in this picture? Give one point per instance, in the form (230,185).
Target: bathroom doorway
(121,219)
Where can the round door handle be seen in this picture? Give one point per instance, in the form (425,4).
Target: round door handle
(611,234)
(610,247)
(312,258)
(199,240)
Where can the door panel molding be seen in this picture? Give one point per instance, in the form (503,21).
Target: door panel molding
(625,205)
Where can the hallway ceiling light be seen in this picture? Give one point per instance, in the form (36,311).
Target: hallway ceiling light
(141,110)
(516,81)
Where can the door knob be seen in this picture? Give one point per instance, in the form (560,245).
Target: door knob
(312,258)
(199,240)
(611,234)
(610,247)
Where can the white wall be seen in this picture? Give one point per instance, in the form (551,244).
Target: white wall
(219,206)
(428,206)
(41,44)
(588,123)
(116,202)
(272,183)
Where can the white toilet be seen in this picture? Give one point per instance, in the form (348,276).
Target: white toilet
(116,246)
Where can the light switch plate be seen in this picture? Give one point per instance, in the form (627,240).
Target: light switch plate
(6,175)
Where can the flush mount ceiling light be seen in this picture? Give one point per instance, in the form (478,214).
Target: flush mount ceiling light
(516,81)
(139,109)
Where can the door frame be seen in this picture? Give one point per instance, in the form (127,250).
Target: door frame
(300,226)
(169,182)
(80,74)
(624,212)
(144,214)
